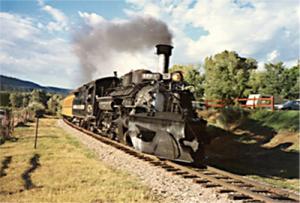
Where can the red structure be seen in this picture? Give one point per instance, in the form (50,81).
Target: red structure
(242,102)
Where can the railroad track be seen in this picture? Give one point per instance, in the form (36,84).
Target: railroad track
(237,187)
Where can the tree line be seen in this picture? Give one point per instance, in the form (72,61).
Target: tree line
(37,100)
(227,75)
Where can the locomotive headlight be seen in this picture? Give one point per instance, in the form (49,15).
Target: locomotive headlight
(177,77)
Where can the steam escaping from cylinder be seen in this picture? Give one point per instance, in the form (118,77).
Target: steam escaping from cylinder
(99,46)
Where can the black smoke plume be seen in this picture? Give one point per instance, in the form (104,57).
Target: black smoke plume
(95,45)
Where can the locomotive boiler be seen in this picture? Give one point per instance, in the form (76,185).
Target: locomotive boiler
(150,111)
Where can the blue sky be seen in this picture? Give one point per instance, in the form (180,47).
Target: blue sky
(37,37)
(109,9)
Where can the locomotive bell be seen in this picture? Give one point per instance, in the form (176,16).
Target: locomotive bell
(164,51)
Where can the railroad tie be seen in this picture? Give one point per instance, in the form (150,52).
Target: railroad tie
(238,197)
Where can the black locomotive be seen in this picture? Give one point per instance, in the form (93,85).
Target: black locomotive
(151,112)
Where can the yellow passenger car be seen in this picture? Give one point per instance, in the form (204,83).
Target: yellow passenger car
(67,105)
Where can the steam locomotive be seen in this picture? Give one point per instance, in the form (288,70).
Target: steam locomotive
(149,111)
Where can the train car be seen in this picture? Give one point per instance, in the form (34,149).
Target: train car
(151,112)
(67,106)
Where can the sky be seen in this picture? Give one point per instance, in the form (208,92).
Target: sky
(37,37)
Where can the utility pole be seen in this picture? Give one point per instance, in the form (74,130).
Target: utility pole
(36,131)
(38,114)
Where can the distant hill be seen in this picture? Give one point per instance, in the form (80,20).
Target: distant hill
(15,84)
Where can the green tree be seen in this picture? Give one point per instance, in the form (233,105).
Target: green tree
(295,90)
(54,104)
(227,75)
(38,96)
(4,99)
(255,82)
(291,82)
(273,79)
(26,99)
(16,99)
(279,80)
(192,76)
(36,107)
(276,80)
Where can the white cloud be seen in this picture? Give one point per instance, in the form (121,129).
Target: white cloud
(17,28)
(272,56)
(261,66)
(292,63)
(26,52)
(91,19)
(60,22)
(55,13)
(253,28)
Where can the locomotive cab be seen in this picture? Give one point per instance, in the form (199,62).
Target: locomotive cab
(85,104)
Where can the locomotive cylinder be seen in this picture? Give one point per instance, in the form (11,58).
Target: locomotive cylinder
(164,51)
(106,103)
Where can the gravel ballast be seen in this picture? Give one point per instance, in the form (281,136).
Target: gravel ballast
(170,188)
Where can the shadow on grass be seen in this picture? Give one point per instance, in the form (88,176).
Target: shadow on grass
(244,154)
(26,176)
(255,128)
(23,125)
(5,164)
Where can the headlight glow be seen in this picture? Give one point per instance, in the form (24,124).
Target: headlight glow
(177,77)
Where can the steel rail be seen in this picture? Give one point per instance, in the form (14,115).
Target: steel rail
(252,182)
(236,186)
(236,183)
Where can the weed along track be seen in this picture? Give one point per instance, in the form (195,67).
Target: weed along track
(236,187)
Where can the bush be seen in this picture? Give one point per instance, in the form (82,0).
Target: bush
(36,107)
(53,104)
(231,117)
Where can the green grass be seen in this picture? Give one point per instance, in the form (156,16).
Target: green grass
(279,120)
(292,184)
(68,171)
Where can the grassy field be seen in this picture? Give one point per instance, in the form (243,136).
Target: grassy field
(60,170)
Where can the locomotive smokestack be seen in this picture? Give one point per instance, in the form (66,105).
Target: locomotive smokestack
(164,51)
